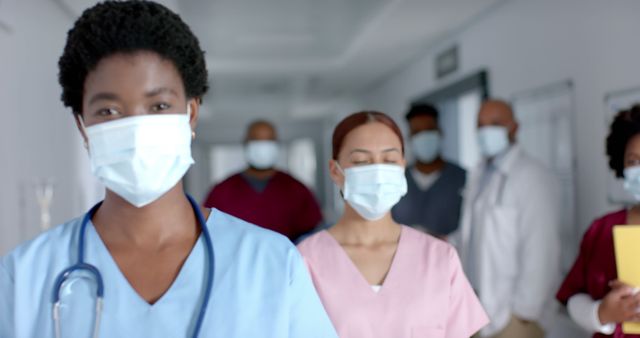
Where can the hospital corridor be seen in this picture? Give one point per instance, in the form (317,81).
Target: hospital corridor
(320,168)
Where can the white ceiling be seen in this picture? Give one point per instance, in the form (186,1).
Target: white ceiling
(301,57)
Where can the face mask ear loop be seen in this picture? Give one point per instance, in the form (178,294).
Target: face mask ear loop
(343,175)
(339,168)
(84,132)
(193,132)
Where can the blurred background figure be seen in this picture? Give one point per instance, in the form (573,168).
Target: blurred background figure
(433,199)
(595,299)
(264,195)
(510,233)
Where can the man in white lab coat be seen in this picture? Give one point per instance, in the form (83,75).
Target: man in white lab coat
(509,233)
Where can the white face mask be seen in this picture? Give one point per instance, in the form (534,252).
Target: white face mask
(632,181)
(140,158)
(262,154)
(493,140)
(372,190)
(426,146)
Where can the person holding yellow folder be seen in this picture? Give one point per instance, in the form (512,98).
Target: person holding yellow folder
(595,298)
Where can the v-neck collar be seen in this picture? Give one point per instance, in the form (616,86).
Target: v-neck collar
(389,279)
(249,181)
(111,267)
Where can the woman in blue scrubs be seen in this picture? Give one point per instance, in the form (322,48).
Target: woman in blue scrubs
(134,74)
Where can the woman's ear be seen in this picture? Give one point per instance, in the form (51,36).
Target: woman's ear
(336,173)
(193,107)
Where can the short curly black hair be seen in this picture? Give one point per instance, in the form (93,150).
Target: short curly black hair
(113,27)
(625,126)
(422,109)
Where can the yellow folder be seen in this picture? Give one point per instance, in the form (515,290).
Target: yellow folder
(626,239)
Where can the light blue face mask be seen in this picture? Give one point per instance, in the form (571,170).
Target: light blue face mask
(493,140)
(262,154)
(426,145)
(632,181)
(141,157)
(372,190)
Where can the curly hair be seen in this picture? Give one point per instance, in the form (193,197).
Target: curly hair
(625,126)
(115,27)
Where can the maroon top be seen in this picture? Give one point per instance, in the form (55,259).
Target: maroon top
(285,206)
(595,266)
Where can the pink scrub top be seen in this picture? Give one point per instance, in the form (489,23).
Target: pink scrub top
(425,293)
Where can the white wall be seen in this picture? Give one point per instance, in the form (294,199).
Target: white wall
(526,44)
(38,138)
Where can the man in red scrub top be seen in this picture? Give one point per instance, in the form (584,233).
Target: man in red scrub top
(263,195)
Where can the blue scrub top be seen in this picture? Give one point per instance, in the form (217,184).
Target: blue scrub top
(261,289)
(436,209)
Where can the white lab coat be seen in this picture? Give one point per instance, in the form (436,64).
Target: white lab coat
(516,239)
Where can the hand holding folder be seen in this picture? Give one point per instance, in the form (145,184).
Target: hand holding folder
(626,240)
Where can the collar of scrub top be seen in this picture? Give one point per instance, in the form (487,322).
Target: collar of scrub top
(95,273)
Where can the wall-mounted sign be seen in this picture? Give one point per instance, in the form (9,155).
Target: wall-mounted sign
(447,62)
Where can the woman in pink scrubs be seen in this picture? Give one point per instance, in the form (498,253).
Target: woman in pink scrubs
(377,278)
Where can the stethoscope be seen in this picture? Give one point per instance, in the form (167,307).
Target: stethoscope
(81,265)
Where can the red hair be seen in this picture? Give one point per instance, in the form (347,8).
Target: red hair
(356,120)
